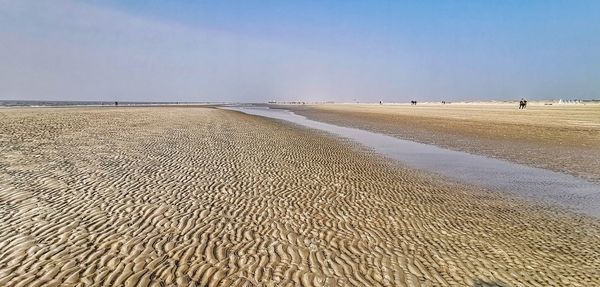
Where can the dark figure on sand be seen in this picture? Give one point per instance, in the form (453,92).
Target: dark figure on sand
(413,102)
(116,104)
(522,104)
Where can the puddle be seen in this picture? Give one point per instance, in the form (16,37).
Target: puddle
(552,187)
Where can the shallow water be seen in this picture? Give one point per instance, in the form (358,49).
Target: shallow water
(537,184)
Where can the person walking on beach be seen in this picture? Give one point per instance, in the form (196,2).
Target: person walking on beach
(521,104)
(524,103)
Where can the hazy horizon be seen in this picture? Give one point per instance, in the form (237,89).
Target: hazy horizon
(258,51)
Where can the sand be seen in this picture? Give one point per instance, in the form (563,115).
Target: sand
(206,197)
(563,138)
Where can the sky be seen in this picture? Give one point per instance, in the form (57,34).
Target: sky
(262,50)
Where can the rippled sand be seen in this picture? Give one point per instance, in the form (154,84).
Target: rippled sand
(563,138)
(198,196)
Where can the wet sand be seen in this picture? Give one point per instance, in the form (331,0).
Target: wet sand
(200,196)
(563,138)
(539,186)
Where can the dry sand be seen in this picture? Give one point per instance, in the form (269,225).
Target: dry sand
(564,138)
(199,196)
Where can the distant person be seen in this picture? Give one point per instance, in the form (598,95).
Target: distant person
(116,104)
(524,103)
(380,102)
(521,104)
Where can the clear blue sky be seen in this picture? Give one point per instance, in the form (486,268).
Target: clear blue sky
(299,50)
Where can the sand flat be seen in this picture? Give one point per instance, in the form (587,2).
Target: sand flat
(540,186)
(563,138)
(199,196)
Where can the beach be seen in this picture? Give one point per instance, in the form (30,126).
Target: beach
(198,196)
(563,138)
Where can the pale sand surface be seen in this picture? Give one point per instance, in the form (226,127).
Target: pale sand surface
(534,184)
(564,138)
(198,196)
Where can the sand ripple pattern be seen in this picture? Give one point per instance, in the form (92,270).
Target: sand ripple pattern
(205,197)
